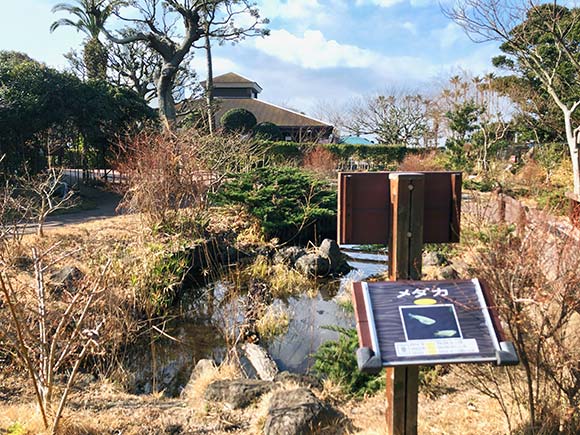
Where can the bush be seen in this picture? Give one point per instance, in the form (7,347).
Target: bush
(421,162)
(267,131)
(336,360)
(284,200)
(321,160)
(169,175)
(238,121)
(534,274)
(378,157)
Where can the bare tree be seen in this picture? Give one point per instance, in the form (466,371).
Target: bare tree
(488,108)
(541,40)
(394,117)
(45,194)
(219,23)
(170,28)
(135,66)
(49,336)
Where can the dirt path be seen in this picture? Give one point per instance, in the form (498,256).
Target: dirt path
(105,206)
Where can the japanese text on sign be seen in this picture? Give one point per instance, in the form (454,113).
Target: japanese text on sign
(423,292)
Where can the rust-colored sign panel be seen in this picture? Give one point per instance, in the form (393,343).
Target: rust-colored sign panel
(364,208)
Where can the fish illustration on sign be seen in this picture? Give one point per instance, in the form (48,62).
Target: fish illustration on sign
(422,319)
(445,333)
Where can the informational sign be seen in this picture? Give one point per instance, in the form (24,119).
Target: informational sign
(428,322)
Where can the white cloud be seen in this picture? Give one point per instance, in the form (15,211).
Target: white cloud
(449,35)
(314,51)
(478,61)
(290,9)
(413,3)
(411,27)
(381,3)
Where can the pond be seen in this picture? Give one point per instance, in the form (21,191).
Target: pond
(207,323)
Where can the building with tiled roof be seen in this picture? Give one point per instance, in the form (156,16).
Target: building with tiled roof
(233,91)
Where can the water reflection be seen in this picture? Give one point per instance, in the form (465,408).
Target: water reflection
(208,322)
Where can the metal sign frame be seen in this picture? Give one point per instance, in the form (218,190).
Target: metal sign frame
(485,341)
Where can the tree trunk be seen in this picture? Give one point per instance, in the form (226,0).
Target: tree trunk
(576,169)
(573,147)
(209,85)
(164,91)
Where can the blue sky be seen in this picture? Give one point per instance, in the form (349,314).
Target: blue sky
(318,50)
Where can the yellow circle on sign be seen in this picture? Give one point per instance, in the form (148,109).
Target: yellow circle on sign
(426,301)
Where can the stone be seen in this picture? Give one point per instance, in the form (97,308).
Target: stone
(293,412)
(288,256)
(313,265)
(237,393)
(338,261)
(265,366)
(171,378)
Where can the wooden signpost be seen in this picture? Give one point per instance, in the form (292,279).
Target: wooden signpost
(396,329)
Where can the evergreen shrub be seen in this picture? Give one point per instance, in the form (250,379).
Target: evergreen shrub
(238,121)
(285,200)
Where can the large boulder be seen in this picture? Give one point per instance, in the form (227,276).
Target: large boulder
(293,412)
(338,261)
(237,393)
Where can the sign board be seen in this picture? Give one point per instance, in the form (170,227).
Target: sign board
(364,207)
(402,323)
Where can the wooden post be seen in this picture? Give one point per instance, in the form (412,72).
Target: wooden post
(405,262)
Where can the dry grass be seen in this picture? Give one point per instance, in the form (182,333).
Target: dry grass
(195,396)
(104,408)
(282,281)
(236,219)
(274,322)
(464,412)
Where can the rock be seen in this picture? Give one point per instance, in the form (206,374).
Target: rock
(296,378)
(434,259)
(237,393)
(313,265)
(66,279)
(288,256)
(448,272)
(338,261)
(293,412)
(202,367)
(265,367)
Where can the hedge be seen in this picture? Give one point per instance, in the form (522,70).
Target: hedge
(379,157)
